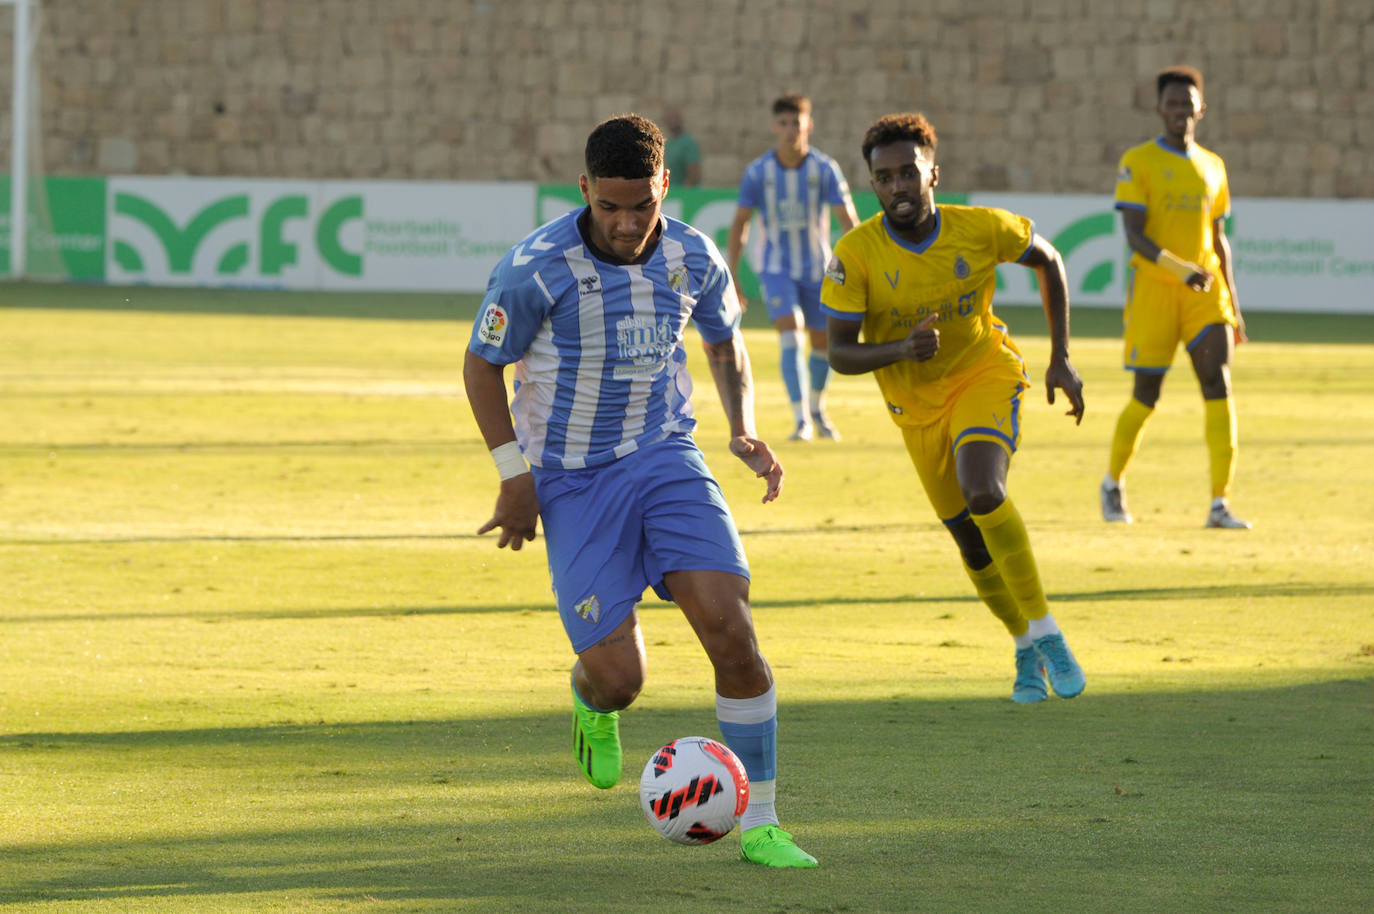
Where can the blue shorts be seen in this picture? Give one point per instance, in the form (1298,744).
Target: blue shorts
(784,295)
(613,530)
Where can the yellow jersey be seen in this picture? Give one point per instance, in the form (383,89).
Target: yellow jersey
(1182,195)
(892,285)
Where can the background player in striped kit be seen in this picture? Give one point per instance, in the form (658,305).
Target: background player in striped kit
(592,309)
(794,188)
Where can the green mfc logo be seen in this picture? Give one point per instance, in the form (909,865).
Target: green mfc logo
(184,232)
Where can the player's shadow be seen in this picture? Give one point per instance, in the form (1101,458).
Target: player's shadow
(489,813)
(297,303)
(1161,594)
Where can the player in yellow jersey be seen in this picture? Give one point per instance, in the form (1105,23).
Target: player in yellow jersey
(1174,199)
(917,280)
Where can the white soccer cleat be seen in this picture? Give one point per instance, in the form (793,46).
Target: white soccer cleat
(1114,509)
(803,432)
(824,427)
(1221,518)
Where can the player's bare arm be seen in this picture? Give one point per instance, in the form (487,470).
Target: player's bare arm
(1044,259)
(849,356)
(1190,274)
(734,247)
(517,505)
(1222,245)
(846,215)
(729,361)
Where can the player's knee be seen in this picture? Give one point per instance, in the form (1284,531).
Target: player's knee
(730,643)
(985,498)
(616,690)
(1147,389)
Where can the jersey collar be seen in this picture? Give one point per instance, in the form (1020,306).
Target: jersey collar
(1174,150)
(915,248)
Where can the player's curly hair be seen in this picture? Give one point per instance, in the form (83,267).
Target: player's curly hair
(628,146)
(894,128)
(1189,76)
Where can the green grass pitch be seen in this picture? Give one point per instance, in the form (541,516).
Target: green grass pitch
(253,657)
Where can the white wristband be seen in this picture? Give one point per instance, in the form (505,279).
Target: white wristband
(1177,265)
(509,461)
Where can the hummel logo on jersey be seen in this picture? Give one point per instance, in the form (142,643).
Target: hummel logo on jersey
(588,285)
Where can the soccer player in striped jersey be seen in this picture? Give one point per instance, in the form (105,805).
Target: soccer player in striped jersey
(592,309)
(794,189)
(917,280)
(1174,200)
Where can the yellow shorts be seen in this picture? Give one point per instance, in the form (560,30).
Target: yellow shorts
(1161,312)
(987,408)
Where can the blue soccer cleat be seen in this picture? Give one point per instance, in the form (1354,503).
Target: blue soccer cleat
(1030,677)
(1065,675)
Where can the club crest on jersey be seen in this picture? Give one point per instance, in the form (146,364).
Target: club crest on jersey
(677,279)
(492,325)
(960,267)
(588,285)
(589,609)
(834,270)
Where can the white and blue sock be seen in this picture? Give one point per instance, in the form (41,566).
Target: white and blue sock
(819,365)
(790,360)
(750,728)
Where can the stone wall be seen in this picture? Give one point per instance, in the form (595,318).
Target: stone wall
(1027,95)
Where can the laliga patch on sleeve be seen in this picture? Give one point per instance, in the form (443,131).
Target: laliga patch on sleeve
(492,325)
(1124,174)
(834,271)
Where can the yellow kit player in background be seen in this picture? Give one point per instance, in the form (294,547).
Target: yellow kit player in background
(918,279)
(1174,199)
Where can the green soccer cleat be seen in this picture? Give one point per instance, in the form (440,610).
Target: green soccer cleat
(769,845)
(1065,675)
(1030,677)
(596,743)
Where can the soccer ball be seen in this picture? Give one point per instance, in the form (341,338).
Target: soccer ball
(693,790)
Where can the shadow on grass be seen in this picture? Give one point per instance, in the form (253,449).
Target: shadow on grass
(1024,320)
(1154,594)
(384,305)
(1228,800)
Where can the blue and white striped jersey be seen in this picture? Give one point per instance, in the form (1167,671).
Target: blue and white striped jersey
(600,364)
(794,204)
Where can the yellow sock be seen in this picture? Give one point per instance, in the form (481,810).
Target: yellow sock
(1221,444)
(1009,545)
(992,590)
(1129,428)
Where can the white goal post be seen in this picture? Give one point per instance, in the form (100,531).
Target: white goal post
(19,137)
